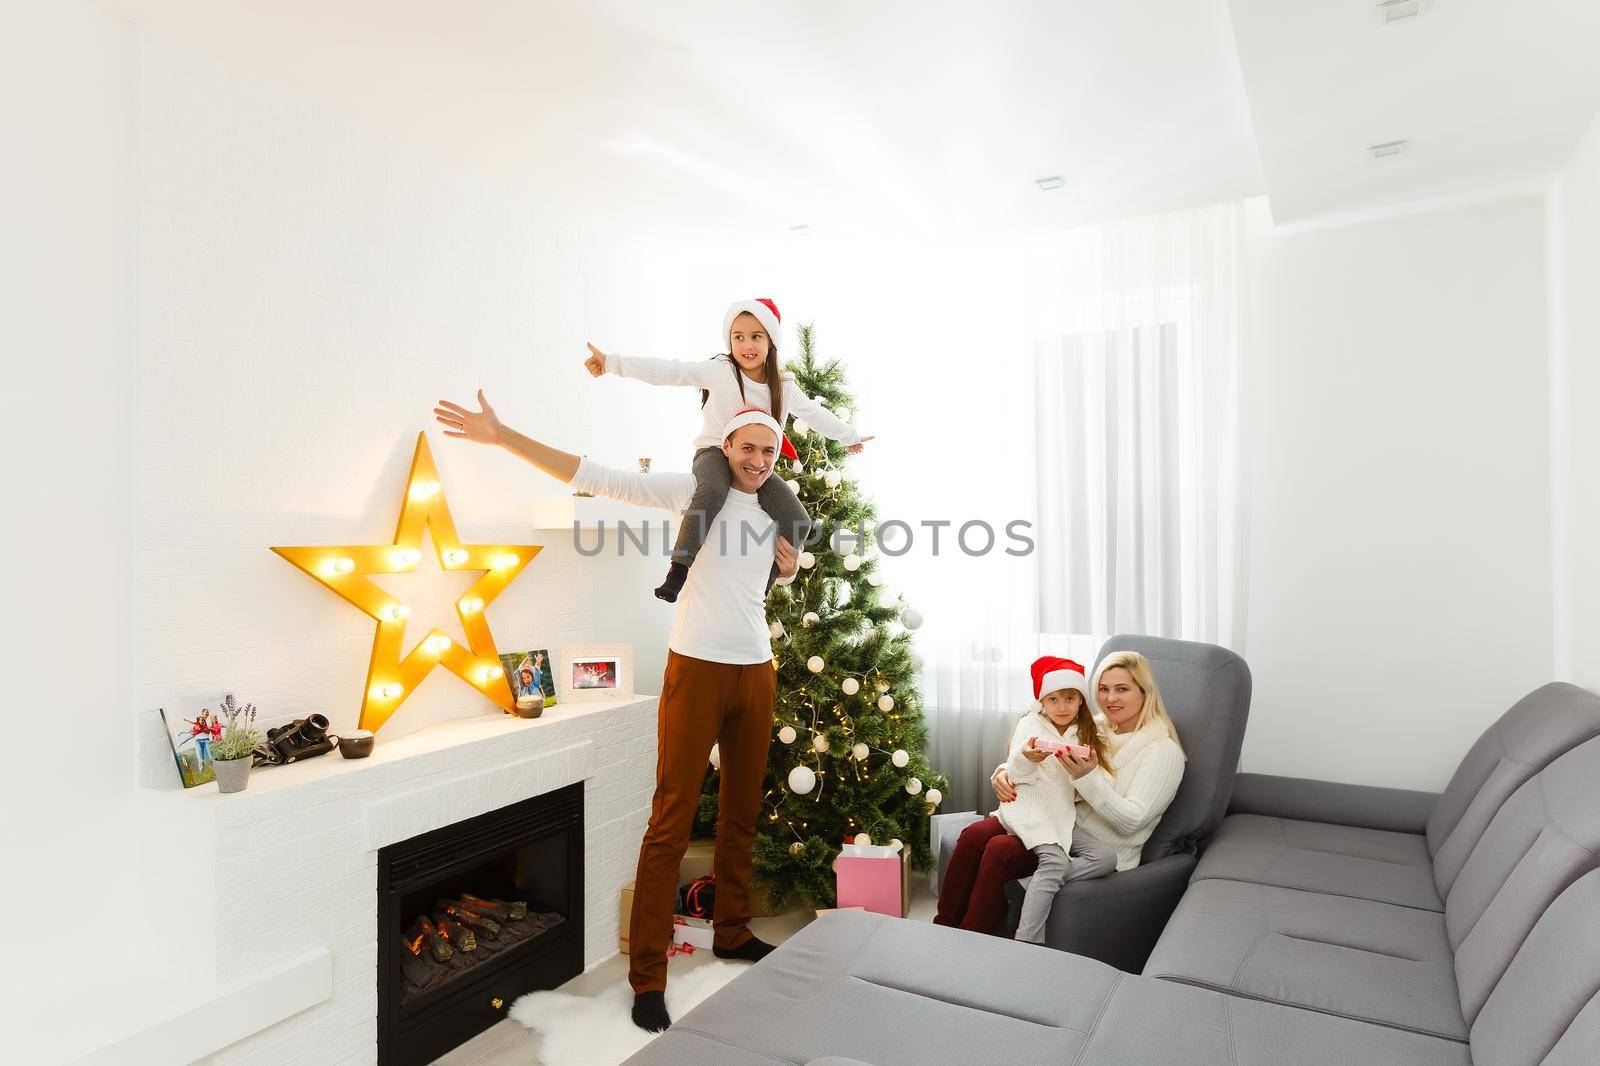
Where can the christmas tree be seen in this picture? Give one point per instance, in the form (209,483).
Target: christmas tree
(848,734)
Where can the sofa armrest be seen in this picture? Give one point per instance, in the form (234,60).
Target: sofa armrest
(1118,918)
(1366,806)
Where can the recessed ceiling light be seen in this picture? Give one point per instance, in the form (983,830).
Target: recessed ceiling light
(1395,10)
(1047,184)
(1387,149)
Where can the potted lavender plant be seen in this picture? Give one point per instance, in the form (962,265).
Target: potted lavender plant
(233,751)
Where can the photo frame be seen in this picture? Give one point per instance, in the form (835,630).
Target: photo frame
(532,680)
(595,673)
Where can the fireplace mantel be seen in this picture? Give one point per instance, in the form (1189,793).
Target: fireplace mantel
(296,853)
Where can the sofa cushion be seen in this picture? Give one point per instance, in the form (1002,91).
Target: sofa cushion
(1545,837)
(897,993)
(1538,729)
(1206,690)
(1355,958)
(1548,1000)
(1335,859)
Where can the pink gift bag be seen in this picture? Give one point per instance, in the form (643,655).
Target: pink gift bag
(871,882)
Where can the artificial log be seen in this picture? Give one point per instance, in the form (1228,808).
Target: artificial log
(457,934)
(499,910)
(478,923)
(431,941)
(415,965)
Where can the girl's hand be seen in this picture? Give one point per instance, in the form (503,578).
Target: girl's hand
(856,448)
(1077,767)
(596,363)
(480,426)
(787,558)
(1033,754)
(1005,790)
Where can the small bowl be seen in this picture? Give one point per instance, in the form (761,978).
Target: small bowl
(356,744)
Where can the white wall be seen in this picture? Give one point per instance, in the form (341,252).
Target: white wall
(228,312)
(1573,226)
(1400,580)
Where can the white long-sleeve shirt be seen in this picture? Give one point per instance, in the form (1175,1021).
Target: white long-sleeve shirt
(1043,811)
(1122,808)
(716,377)
(721,614)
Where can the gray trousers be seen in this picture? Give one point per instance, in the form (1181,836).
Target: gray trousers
(1090,857)
(712,480)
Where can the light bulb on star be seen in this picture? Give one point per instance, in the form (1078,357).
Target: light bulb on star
(393,690)
(471,604)
(397,612)
(455,556)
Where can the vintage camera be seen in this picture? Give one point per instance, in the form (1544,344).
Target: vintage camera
(303,738)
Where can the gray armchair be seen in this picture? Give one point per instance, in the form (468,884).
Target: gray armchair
(1117,919)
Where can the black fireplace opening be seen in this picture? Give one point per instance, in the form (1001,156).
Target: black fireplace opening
(472,916)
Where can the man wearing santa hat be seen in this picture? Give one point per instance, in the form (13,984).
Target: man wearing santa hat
(719,685)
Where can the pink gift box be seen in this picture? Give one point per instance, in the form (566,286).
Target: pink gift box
(872,884)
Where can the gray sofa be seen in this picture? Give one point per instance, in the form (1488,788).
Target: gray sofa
(1323,924)
(1116,919)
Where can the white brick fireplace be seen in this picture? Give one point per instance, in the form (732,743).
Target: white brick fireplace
(296,854)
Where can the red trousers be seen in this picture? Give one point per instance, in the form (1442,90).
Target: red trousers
(701,703)
(972,893)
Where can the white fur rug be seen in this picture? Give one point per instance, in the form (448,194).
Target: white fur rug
(598,1030)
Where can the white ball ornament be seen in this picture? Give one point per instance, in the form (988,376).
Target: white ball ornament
(832,479)
(802,780)
(860,751)
(799,467)
(914,785)
(800,427)
(787,734)
(815,664)
(810,618)
(852,562)
(886,702)
(900,758)
(862,839)
(716,756)
(807,560)
(874,580)
(887,598)
(911,618)
(776,629)
(934,796)
(850,685)
(819,743)
(842,414)
(794,486)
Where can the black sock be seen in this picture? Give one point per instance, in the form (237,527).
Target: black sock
(752,950)
(650,1012)
(677,573)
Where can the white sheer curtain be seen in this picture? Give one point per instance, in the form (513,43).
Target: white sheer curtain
(1122,447)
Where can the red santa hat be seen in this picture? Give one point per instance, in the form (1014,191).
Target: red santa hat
(759,416)
(766,313)
(1052,673)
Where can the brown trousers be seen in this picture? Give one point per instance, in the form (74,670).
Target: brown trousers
(701,703)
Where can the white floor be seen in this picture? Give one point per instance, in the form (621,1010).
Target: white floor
(509,1044)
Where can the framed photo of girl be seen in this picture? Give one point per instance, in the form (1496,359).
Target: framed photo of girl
(532,681)
(593,673)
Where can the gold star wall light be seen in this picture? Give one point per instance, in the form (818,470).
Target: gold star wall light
(345,570)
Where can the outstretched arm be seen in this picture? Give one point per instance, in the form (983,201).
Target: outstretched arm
(668,491)
(699,373)
(485,427)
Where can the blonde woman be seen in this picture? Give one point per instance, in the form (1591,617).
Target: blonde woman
(1122,805)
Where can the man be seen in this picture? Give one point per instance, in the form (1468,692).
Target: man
(718,689)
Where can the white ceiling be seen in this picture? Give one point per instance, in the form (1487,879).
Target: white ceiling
(835,113)
(848,115)
(1490,93)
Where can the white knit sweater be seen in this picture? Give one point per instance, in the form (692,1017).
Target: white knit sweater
(716,377)
(1043,812)
(1122,808)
